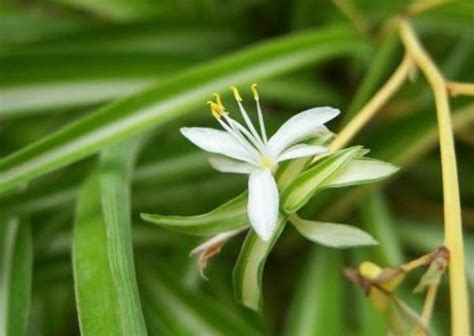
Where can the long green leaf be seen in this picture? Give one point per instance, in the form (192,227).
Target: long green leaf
(331,234)
(361,171)
(373,79)
(248,270)
(172,98)
(96,298)
(102,248)
(232,215)
(115,177)
(16,270)
(376,219)
(317,306)
(177,310)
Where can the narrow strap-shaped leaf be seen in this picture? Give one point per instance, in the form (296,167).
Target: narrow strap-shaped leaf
(377,71)
(333,235)
(115,179)
(317,306)
(183,311)
(248,270)
(361,171)
(172,98)
(96,299)
(232,215)
(16,270)
(376,219)
(305,186)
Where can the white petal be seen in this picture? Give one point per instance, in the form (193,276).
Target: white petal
(263,203)
(226,165)
(301,150)
(215,141)
(215,240)
(300,127)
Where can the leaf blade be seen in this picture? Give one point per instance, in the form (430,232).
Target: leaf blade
(115,176)
(361,171)
(333,235)
(95,298)
(170,99)
(231,215)
(16,276)
(248,270)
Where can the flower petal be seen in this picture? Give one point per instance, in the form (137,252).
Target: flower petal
(300,127)
(216,141)
(226,165)
(301,150)
(263,203)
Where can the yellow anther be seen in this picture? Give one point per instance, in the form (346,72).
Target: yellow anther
(215,109)
(254,91)
(236,93)
(218,100)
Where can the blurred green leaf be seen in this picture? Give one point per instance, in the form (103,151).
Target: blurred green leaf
(171,99)
(318,301)
(376,73)
(376,219)
(105,263)
(176,310)
(16,270)
(115,177)
(96,297)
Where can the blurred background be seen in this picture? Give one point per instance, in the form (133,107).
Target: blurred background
(61,60)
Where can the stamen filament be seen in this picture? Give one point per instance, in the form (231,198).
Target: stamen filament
(241,129)
(259,112)
(241,140)
(247,120)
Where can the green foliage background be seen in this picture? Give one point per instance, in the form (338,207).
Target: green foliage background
(92,94)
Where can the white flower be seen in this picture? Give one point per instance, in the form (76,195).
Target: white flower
(244,150)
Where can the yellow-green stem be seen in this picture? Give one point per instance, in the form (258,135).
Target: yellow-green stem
(457,89)
(373,105)
(452,209)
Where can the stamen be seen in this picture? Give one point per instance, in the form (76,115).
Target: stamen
(236,93)
(261,122)
(215,110)
(238,128)
(254,91)
(240,138)
(219,100)
(255,137)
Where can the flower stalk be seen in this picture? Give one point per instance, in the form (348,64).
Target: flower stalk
(373,105)
(457,89)
(452,207)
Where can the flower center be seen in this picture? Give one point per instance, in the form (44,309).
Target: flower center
(266,162)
